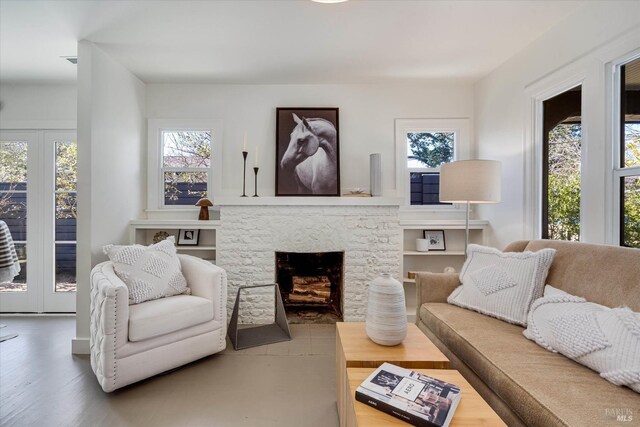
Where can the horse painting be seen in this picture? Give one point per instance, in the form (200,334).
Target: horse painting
(311,157)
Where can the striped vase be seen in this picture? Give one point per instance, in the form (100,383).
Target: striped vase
(386,321)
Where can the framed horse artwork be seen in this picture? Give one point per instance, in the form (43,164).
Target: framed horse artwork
(307,152)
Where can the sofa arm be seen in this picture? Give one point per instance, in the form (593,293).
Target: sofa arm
(435,287)
(208,281)
(109,322)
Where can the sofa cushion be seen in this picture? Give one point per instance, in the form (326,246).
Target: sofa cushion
(604,339)
(162,316)
(150,272)
(502,284)
(543,388)
(606,275)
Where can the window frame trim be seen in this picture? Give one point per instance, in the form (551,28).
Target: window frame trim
(616,172)
(155,169)
(536,94)
(461,127)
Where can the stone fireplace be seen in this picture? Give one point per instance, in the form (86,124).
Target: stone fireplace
(367,234)
(311,285)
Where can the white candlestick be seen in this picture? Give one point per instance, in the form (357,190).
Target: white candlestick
(256,162)
(245,141)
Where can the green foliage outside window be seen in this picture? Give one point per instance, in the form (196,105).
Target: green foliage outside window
(565,142)
(432,149)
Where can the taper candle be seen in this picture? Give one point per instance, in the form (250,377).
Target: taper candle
(244,148)
(256,162)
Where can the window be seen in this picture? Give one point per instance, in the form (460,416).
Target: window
(627,172)
(183,162)
(186,160)
(422,146)
(561,159)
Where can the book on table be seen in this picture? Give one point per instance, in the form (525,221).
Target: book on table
(413,397)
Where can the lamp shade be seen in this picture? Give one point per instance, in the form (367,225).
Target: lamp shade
(470,181)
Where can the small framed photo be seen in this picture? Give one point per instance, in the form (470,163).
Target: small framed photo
(188,237)
(436,240)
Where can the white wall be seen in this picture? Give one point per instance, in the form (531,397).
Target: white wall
(578,47)
(111,164)
(44,106)
(367,114)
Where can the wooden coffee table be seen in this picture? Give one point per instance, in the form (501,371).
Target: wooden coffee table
(472,410)
(354,349)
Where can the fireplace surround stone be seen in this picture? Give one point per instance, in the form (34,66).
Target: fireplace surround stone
(250,235)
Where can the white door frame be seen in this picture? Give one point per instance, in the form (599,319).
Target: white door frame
(40,295)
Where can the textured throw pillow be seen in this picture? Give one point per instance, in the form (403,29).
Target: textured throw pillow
(604,339)
(150,272)
(502,284)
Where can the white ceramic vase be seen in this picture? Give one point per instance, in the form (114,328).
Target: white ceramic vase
(386,321)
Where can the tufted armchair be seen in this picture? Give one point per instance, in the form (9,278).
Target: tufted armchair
(132,342)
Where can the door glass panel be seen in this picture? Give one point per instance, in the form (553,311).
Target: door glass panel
(66,215)
(631,211)
(65,267)
(561,175)
(13,205)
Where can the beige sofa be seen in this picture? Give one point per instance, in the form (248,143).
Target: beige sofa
(524,383)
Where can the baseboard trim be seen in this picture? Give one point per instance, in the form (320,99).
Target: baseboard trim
(80,346)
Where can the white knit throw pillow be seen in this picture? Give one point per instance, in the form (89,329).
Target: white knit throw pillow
(150,272)
(502,284)
(604,339)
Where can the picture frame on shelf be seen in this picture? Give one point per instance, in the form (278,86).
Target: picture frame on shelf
(436,240)
(307,152)
(188,237)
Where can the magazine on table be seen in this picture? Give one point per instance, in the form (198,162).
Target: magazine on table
(410,396)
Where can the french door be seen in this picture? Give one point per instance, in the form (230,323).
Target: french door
(38,203)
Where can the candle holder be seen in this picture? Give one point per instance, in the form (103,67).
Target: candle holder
(244,172)
(255,192)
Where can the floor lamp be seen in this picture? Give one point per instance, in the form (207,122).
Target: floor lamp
(470,181)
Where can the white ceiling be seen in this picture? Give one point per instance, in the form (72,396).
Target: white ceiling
(264,41)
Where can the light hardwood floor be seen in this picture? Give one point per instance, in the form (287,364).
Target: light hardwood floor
(285,384)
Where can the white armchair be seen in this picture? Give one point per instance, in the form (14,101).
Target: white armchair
(132,342)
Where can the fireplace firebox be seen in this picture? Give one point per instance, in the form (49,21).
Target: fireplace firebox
(311,285)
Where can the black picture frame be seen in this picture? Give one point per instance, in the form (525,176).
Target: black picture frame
(312,130)
(188,237)
(436,239)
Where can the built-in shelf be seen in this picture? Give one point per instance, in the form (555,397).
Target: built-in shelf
(142,231)
(432,253)
(435,261)
(196,248)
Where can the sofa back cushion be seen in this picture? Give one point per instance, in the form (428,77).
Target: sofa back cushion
(607,275)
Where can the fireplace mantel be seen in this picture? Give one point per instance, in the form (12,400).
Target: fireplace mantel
(308,201)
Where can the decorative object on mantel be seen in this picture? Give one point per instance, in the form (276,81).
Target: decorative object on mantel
(386,321)
(245,153)
(307,152)
(255,191)
(435,239)
(204,204)
(356,192)
(449,270)
(411,275)
(188,237)
(263,334)
(160,236)
(470,181)
(375,174)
